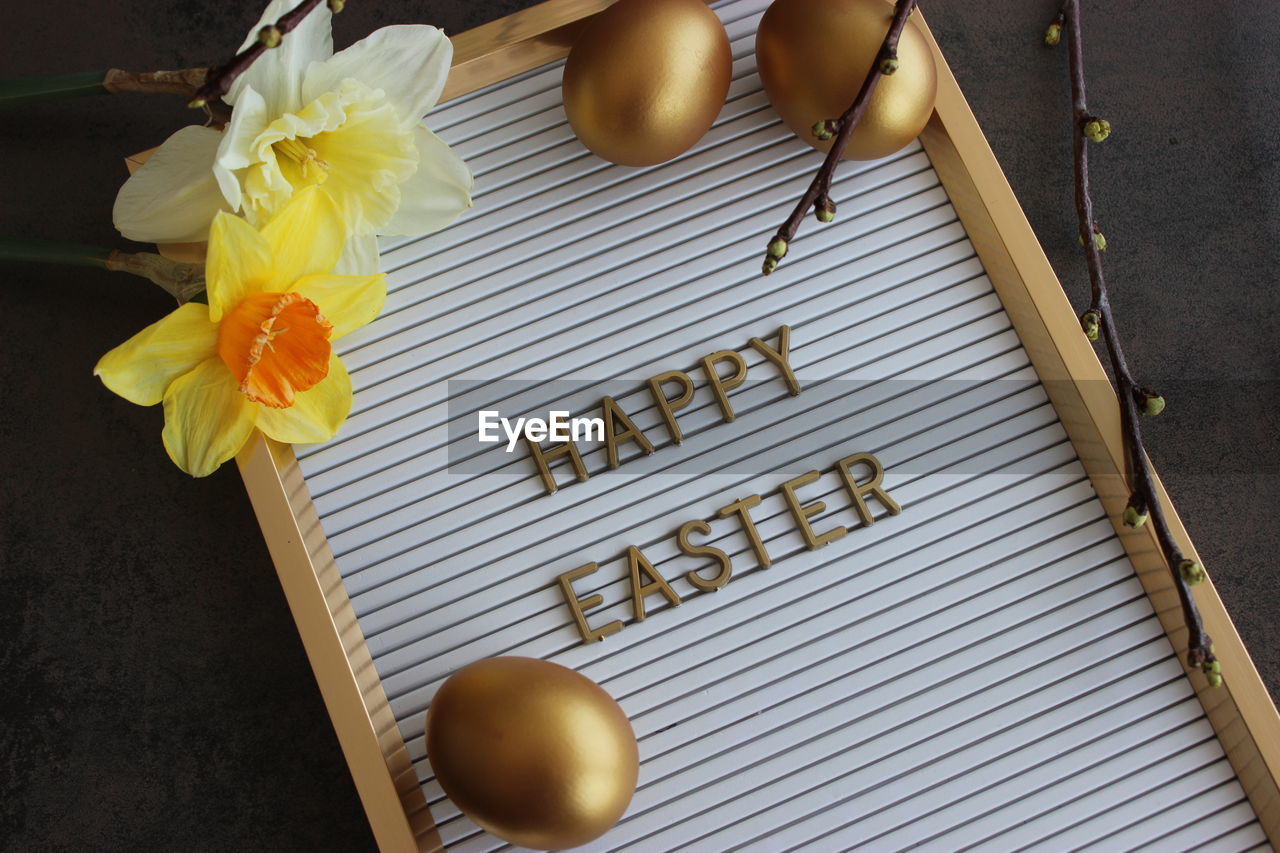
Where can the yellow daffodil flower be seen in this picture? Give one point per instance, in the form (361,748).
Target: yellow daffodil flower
(349,123)
(260,353)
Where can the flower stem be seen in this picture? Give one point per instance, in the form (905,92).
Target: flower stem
(52,252)
(184,282)
(28,90)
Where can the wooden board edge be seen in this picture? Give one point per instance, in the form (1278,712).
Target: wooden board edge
(353,694)
(1086,404)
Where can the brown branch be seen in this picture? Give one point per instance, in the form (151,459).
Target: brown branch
(1144,501)
(181,281)
(219,82)
(185,82)
(818,195)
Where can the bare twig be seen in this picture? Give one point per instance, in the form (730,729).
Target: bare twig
(1098,320)
(818,195)
(185,82)
(220,80)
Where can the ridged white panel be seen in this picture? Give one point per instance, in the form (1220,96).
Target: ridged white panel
(982,671)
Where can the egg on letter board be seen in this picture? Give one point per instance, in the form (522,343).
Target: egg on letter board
(646,79)
(533,752)
(813,56)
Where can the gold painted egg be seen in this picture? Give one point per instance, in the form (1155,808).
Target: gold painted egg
(646,79)
(533,752)
(813,56)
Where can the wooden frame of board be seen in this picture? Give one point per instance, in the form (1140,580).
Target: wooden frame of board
(1241,712)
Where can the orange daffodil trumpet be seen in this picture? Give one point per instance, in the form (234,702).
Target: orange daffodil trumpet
(348,123)
(260,353)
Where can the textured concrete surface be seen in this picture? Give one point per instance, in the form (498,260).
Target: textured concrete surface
(155,694)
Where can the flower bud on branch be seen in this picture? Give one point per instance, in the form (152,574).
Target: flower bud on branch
(824,209)
(886,62)
(270,36)
(1096,129)
(1149,402)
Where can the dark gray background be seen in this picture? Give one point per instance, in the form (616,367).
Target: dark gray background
(155,693)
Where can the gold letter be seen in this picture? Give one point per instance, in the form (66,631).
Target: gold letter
(871,487)
(667,406)
(542,457)
(612,438)
(578,605)
(719,385)
(804,513)
(781,357)
(742,508)
(726,565)
(637,561)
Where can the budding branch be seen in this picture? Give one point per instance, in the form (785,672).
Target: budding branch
(220,79)
(1144,501)
(818,195)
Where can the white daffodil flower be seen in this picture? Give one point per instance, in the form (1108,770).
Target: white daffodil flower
(349,123)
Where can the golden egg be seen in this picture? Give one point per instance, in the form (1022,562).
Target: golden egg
(813,56)
(646,79)
(532,751)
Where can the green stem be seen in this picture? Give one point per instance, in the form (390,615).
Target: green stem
(52,252)
(28,90)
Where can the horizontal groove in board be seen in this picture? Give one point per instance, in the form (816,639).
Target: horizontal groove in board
(997,804)
(1233,828)
(932,679)
(875,771)
(1177,818)
(1149,791)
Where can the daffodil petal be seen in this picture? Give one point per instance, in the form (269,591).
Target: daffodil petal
(369,157)
(206,418)
(360,256)
(408,62)
(142,368)
(316,414)
(235,151)
(239,263)
(346,301)
(305,238)
(277,74)
(436,194)
(174,196)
